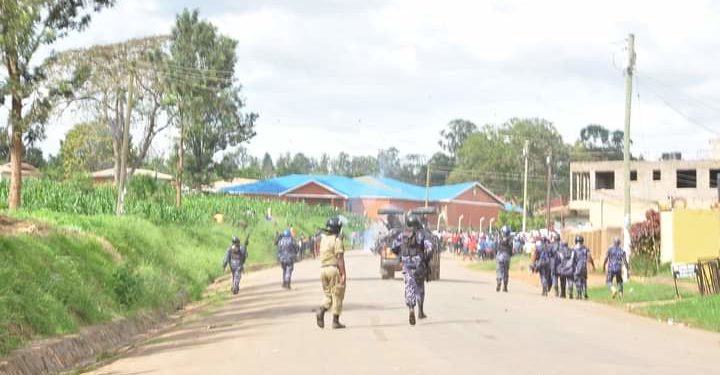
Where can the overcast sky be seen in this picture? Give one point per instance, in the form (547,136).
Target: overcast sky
(361,75)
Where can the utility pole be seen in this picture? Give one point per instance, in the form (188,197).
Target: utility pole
(549,186)
(526,152)
(427,185)
(120,207)
(626,141)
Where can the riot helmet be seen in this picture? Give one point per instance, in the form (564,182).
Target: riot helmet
(333,225)
(579,239)
(413,221)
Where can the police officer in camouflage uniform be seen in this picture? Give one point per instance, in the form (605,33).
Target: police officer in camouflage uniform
(582,256)
(502,259)
(566,269)
(615,259)
(542,265)
(553,251)
(415,250)
(287,252)
(235,257)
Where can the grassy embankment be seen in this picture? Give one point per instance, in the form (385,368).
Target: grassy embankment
(84,266)
(653,296)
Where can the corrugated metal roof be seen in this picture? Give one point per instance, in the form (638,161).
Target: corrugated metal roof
(362,187)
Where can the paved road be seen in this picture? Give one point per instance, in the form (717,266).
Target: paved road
(470,330)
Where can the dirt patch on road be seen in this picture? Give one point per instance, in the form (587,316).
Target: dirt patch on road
(10,226)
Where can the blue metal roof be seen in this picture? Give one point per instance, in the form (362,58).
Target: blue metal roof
(364,187)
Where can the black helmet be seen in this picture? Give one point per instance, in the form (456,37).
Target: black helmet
(505,230)
(579,239)
(235,240)
(616,241)
(413,221)
(333,225)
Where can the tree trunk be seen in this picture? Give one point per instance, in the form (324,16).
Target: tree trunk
(16,153)
(16,145)
(180,165)
(120,208)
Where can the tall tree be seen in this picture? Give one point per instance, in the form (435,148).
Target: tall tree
(453,138)
(268,168)
(493,156)
(412,169)
(301,164)
(440,167)
(87,147)
(103,95)
(26,26)
(599,143)
(323,164)
(364,166)
(389,162)
(342,165)
(206,97)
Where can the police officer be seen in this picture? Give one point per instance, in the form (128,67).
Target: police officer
(615,259)
(332,273)
(287,253)
(566,269)
(235,256)
(502,259)
(582,256)
(553,249)
(542,265)
(415,249)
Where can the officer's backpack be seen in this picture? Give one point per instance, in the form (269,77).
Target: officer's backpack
(567,262)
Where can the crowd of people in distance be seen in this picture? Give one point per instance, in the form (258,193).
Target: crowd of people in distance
(474,245)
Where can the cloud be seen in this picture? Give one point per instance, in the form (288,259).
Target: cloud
(359,75)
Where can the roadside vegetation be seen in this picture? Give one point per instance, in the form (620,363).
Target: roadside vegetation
(652,294)
(81,265)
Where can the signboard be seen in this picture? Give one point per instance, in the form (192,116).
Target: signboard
(684,271)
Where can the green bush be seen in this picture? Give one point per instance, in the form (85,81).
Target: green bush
(126,285)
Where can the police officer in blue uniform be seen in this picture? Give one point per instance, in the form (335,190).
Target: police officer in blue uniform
(502,259)
(614,260)
(235,256)
(415,250)
(582,256)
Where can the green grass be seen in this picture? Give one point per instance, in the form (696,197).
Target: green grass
(637,292)
(56,283)
(702,312)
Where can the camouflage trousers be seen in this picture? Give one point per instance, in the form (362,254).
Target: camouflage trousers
(287,268)
(545,278)
(502,270)
(236,275)
(414,276)
(581,282)
(617,275)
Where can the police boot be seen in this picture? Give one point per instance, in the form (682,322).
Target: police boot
(505,287)
(411,318)
(320,316)
(421,311)
(497,289)
(336,322)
